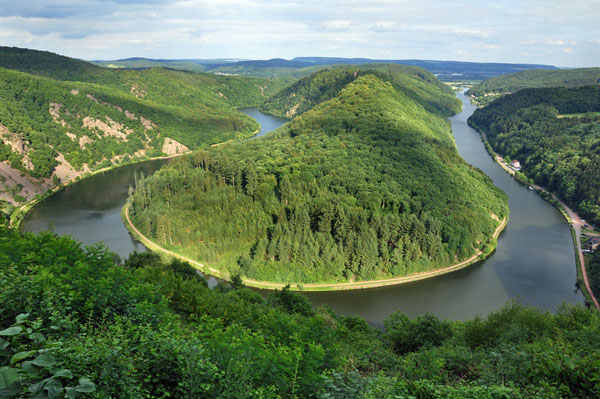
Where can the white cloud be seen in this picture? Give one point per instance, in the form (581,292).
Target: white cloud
(532,31)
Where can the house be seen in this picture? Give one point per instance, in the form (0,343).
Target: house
(592,244)
(516,165)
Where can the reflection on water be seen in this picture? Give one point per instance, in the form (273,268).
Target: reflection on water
(534,262)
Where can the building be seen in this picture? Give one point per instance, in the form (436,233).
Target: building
(592,244)
(516,165)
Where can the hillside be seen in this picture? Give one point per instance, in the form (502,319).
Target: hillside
(365,185)
(555,134)
(72,318)
(324,85)
(69,117)
(488,90)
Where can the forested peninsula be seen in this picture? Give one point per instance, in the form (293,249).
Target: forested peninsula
(365,184)
(61,118)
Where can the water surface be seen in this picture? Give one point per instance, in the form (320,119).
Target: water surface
(534,262)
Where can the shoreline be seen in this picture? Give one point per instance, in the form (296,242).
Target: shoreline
(22,210)
(152,246)
(570,216)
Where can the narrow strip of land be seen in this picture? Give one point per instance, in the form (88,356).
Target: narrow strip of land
(312,287)
(574,220)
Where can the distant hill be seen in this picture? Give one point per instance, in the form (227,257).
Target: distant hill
(326,84)
(486,91)
(62,117)
(44,63)
(303,66)
(193,65)
(444,70)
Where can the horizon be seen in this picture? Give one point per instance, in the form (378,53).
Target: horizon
(526,32)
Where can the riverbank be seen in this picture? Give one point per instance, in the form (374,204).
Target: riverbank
(18,215)
(570,215)
(358,285)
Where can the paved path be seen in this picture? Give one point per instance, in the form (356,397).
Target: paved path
(575,222)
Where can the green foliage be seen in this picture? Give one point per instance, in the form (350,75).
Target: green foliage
(97,118)
(560,154)
(366,185)
(420,85)
(488,90)
(160,333)
(405,335)
(28,365)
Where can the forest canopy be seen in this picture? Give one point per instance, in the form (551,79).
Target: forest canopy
(367,184)
(488,90)
(82,321)
(61,117)
(555,134)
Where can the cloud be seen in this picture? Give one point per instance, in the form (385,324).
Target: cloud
(528,31)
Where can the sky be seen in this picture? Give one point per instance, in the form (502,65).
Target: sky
(562,33)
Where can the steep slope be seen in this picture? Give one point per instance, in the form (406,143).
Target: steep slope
(365,185)
(307,92)
(555,134)
(72,117)
(488,90)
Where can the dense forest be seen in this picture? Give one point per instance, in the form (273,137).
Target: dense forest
(322,86)
(65,117)
(488,90)
(365,185)
(81,323)
(555,134)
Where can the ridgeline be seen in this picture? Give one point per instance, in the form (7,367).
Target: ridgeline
(61,118)
(365,185)
(487,91)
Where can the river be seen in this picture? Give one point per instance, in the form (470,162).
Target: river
(534,262)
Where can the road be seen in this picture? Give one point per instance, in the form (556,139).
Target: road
(576,224)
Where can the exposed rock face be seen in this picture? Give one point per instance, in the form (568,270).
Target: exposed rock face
(16,143)
(137,91)
(111,128)
(292,111)
(147,123)
(55,112)
(83,140)
(172,147)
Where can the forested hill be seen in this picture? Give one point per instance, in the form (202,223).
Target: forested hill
(51,65)
(365,185)
(70,117)
(490,89)
(419,84)
(555,134)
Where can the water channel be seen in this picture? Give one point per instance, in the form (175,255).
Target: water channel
(534,262)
